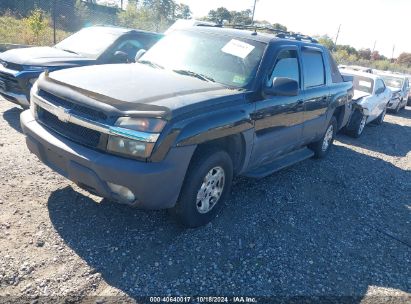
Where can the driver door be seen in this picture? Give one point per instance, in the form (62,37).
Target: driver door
(278,119)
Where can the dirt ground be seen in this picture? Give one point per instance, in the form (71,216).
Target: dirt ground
(338,227)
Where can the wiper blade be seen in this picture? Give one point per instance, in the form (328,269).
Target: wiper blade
(152,64)
(194,74)
(70,51)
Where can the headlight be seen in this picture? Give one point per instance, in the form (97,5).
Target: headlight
(129,147)
(34,68)
(135,137)
(150,125)
(32,80)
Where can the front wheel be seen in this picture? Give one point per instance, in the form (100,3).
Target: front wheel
(206,186)
(322,147)
(380,118)
(357,124)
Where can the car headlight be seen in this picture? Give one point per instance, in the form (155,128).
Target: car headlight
(135,137)
(150,125)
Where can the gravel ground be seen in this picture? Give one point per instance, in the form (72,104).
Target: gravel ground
(334,227)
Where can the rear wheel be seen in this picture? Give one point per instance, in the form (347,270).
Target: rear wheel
(322,147)
(206,187)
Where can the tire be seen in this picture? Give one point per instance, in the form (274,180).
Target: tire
(322,147)
(380,119)
(409,102)
(357,124)
(398,108)
(192,212)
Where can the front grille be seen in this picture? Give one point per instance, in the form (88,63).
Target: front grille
(69,130)
(13,66)
(9,83)
(74,107)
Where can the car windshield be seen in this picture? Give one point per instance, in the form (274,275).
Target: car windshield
(226,60)
(89,42)
(394,82)
(363,84)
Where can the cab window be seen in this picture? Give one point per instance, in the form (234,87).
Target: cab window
(287,66)
(314,71)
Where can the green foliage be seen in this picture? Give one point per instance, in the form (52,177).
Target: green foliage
(219,15)
(243,17)
(278,26)
(37,23)
(404,59)
(327,42)
(183,11)
(14,30)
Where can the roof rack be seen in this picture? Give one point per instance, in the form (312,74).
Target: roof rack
(278,33)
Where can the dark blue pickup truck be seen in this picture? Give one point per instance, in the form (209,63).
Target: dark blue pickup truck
(20,68)
(203,105)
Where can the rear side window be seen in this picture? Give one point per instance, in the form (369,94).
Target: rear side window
(314,74)
(286,65)
(335,72)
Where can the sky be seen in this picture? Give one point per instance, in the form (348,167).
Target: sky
(363,22)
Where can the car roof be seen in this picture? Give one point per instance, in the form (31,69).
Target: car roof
(245,34)
(359,73)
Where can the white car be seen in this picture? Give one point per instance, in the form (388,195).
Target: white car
(400,87)
(371,98)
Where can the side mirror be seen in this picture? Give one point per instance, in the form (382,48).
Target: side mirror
(140,54)
(283,86)
(120,56)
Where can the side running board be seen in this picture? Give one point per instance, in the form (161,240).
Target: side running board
(280,163)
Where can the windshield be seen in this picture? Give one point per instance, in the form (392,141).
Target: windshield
(230,61)
(89,42)
(363,84)
(394,82)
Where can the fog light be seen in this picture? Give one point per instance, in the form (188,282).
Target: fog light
(123,192)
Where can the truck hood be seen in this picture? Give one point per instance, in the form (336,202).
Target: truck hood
(43,56)
(133,87)
(359,94)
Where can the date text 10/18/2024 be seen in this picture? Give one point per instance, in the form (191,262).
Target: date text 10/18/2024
(205,299)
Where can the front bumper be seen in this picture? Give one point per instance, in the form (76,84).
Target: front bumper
(20,99)
(155,185)
(15,85)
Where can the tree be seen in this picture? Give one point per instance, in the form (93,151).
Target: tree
(327,42)
(278,26)
(404,59)
(243,17)
(375,56)
(365,54)
(219,16)
(183,11)
(37,23)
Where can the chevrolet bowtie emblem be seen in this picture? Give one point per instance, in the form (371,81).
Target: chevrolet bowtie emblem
(64,115)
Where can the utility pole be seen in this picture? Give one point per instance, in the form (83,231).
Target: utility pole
(393,50)
(336,37)
(121,4)
(252,18)
(54,21)
(375,43)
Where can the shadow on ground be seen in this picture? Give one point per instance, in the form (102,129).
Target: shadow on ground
(389,138)
(12,116)
(317,228)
